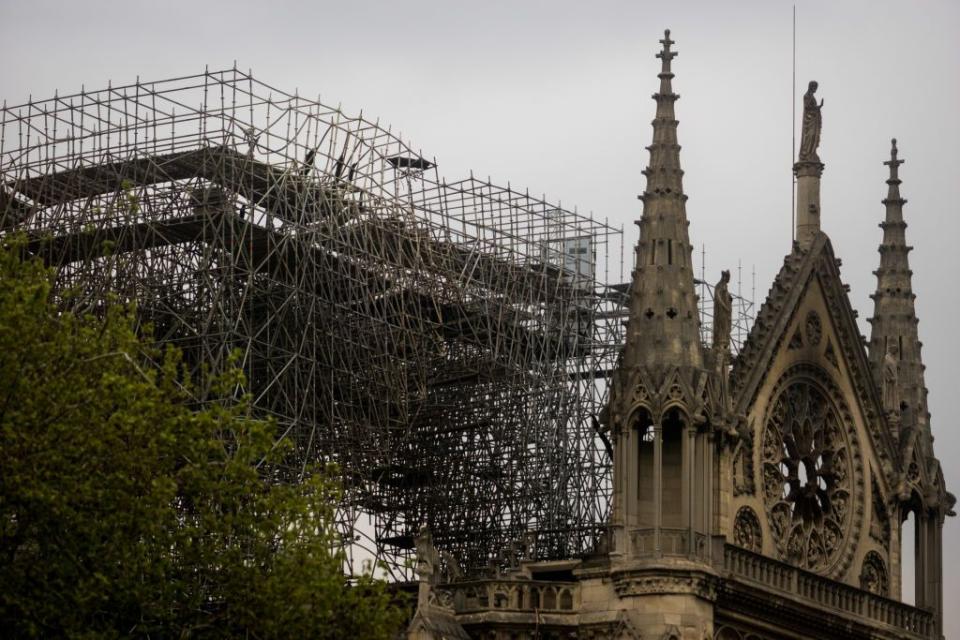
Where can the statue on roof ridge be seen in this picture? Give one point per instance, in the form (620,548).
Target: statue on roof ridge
(722,317)
(812,123)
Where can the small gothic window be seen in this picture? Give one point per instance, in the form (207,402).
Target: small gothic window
(550,598)
(566,600)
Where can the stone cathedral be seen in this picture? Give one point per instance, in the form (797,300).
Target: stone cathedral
(755,497)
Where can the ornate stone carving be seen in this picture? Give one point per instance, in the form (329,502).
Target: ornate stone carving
(812,124)
(428,559)
(913,473)
(831,355)
(722,317)
(890,381)
(640,395)
(746,530)
(808,472)
(796,342)
(442,598)
(450,570)
(693,583)
(813,328)
(759,351)
(879,518)
(873,574)
(675,392)
(743,467)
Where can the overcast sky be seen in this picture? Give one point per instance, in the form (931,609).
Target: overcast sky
(555,96)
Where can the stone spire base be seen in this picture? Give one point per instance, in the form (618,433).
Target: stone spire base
(808,200)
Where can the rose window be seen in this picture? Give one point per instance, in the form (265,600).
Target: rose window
(806,460)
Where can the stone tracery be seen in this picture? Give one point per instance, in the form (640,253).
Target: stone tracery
(873,575)
(743,467)
(746,530)
(814,328)
(807,482)
(879,518)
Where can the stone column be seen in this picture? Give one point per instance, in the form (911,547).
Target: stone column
(657,485)
(930,552)
(690,483)
(936,571)
(631,470)
(896,554)
(709,448)
(920,559)
(723,486)
(621,448)
(808,200)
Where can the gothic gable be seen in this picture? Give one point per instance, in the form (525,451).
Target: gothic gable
(815,426)
(779,328)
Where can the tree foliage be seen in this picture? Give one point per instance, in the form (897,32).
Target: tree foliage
(127,512)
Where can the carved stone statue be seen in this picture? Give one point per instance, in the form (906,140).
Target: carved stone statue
(812,122)
(722,314)
(891,374)
(428,560)
(428,564)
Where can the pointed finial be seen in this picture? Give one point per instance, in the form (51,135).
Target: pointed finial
(894,162)
(666,55)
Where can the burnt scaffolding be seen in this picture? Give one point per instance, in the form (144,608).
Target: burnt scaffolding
(441,342)
(446,344)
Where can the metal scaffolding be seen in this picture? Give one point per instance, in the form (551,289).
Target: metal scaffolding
(442,342)
(446,344)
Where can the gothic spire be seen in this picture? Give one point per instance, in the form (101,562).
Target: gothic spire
(894,321)
(663,329)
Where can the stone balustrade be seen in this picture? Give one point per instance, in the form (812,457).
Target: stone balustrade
(742,566)
(824,592)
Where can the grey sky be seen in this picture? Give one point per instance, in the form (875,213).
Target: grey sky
(555,96)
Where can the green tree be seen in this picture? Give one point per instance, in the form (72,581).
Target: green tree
(125,512)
